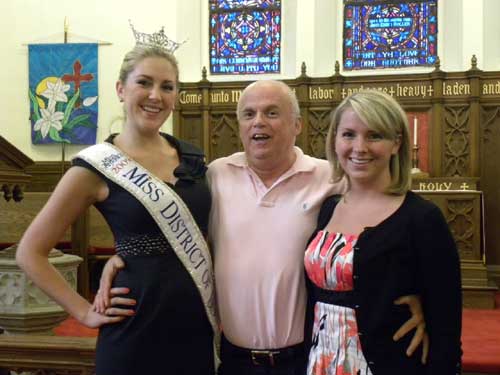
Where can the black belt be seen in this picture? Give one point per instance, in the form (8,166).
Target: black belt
(339,298)
(261,357)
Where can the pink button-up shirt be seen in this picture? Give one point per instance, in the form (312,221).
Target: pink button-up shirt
(258,236)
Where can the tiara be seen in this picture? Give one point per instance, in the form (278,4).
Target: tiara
(158,39)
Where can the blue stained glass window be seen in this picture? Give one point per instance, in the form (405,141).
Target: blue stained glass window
(245,36)
(383,34)
(239,4)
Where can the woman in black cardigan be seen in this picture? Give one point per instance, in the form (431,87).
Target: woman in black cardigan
(374,244)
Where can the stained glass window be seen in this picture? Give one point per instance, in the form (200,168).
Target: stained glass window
(245,36)
(383,34)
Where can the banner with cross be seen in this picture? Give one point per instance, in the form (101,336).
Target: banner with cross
(63,93)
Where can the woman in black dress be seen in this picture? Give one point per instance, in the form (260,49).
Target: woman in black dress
(158,212)
(376,243)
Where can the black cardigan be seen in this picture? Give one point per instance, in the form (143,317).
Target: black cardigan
(410,252)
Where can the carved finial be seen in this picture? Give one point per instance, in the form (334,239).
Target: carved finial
(7,192)
(337,68)
(437,64)
(303,69)
(17,193)
(473,62)
(204,73)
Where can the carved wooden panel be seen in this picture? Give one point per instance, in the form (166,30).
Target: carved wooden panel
(462,211)
(45,175)
(460,218)
(317,129)
(191,129)
(456,146)
(489,117)
(490,181)
(224,135)
(6,164)
(47,355)
(100,234)
(16,217)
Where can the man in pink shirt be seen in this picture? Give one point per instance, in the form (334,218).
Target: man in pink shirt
(265,203)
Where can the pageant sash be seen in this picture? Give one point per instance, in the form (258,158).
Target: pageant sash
(170,213)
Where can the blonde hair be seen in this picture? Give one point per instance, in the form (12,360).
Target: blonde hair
(141,52)
(382,114)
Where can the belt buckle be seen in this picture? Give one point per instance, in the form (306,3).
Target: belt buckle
(259,354)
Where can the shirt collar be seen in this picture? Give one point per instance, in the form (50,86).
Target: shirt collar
(303,163)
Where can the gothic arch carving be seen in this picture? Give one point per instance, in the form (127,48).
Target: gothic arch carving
(456,140)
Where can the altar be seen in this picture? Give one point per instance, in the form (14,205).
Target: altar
(463,207)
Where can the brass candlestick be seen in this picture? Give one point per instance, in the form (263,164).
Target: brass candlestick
(414,160)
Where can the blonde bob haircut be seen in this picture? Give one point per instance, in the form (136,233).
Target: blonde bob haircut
(381,114)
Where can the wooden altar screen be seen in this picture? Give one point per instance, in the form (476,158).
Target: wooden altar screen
(459,123)
(13,176)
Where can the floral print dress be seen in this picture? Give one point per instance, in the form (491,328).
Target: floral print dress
(336,349)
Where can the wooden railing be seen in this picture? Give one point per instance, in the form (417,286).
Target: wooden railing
(44,355)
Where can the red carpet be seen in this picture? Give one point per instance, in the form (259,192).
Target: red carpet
(481,341)
(70,327)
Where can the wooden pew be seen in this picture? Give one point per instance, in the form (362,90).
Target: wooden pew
(51,354)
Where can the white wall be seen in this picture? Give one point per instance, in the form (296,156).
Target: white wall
(31,21)
(312,32)
(491,32)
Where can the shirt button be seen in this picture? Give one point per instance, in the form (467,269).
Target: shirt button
(355,276)
(356,306)
(371,362)
(356,248)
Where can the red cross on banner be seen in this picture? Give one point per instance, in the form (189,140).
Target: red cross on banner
(77,77)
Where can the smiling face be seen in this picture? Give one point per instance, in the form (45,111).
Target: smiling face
(368,137)
(149,93)
(268,124)
(364,154)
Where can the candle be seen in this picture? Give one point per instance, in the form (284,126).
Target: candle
(415,131)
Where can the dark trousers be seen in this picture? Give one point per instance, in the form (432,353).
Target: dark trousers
(241,361)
